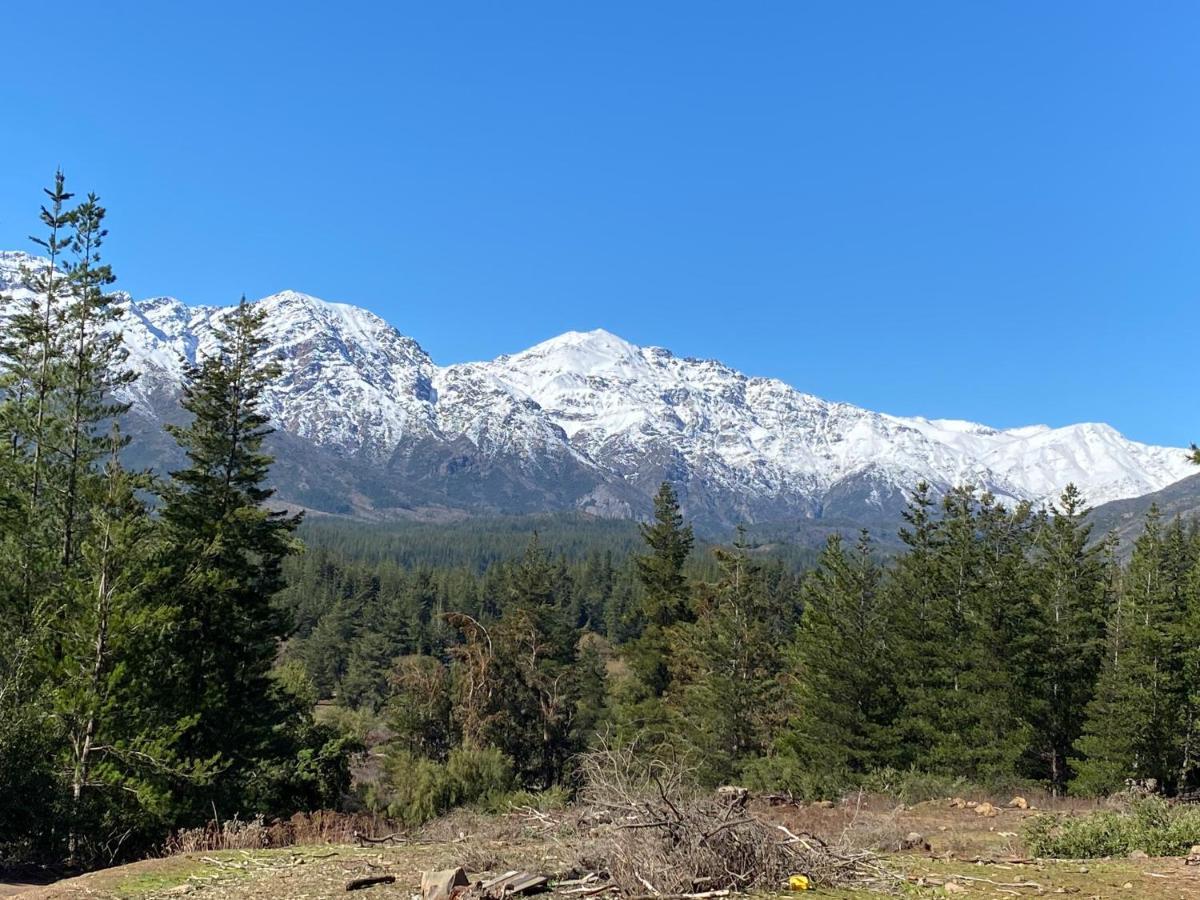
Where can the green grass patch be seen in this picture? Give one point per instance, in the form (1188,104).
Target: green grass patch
(164,875)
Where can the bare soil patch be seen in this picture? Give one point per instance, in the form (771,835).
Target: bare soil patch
(968,855)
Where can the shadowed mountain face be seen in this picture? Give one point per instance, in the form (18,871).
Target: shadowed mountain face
(1127,517)
(370,426)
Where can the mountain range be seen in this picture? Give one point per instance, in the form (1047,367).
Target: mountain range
(370,426)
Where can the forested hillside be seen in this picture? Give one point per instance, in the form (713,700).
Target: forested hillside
(1000,645)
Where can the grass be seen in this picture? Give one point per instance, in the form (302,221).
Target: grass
(1151,825)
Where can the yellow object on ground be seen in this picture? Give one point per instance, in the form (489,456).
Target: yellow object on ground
(798,883)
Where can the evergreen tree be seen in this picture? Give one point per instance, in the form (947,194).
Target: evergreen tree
(223,557)
(1131,721)
(959,600)
(537,648)
(664,602)
(94,368)
(111,742)
(726,667)
(1068,582)
(517,685)
(1002,640)
(842,657)
(1188,641)
(926,651)
(665,597)
(39,329)
(32,380)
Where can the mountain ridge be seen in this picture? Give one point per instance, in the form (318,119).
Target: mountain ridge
(589,421)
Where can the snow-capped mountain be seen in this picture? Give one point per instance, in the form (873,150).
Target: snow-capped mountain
(370,424)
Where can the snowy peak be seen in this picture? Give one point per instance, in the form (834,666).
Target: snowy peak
(590,420)
(350,380)
(580,353)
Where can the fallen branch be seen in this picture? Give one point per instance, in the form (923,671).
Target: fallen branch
(357,884)
(588,891)
(396,838)
(1003,884)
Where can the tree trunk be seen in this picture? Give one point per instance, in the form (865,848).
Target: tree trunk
(99,655)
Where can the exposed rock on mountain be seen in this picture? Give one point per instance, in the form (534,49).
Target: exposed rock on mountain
(370,425)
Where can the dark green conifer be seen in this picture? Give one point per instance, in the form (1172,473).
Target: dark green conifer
(1131,720)
(725,667)
(665,596)
(1068,587)
(223,556)
(842,659)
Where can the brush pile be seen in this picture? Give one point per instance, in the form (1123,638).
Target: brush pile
(659,835)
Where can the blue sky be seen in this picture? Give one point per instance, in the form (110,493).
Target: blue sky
(973,210)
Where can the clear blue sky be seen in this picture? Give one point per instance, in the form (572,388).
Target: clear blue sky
(960,209)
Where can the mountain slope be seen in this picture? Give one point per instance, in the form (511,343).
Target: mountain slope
(1127,517)
(645,414)
(371,426)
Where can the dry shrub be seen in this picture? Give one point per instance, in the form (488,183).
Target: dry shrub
(885,833)
(232,834)
(664,835)
(322,827)
(476,858)
(330,827)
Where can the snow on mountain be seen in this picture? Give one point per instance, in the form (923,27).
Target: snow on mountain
(592,420)
(618,402)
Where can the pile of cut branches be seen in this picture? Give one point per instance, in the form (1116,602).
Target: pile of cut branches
(663,836)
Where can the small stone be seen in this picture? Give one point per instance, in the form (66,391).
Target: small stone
(914,840)
(1127,886)
(1139,854)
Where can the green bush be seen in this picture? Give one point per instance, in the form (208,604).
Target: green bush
(477,776)
(550,799)
(1152,825)
(786,773)
(414,789)
(912,786)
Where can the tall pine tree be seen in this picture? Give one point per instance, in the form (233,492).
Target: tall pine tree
(224,550)
(665,602)
(842,658)
(1068,587)
(1131,721)
(726,667)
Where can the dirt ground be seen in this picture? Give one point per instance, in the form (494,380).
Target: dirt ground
(969,855)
